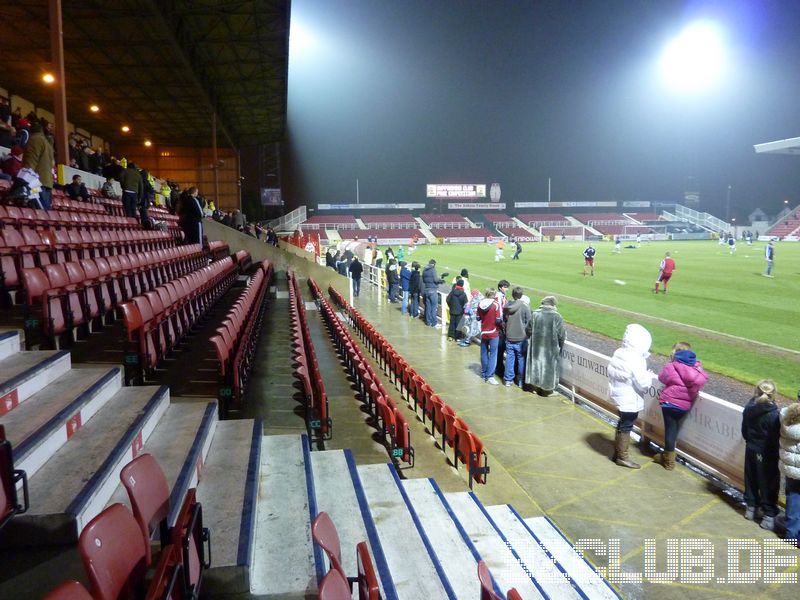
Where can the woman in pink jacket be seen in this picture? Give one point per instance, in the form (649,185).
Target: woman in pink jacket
(683,378)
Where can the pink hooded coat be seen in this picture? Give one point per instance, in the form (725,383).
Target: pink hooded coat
(682,383)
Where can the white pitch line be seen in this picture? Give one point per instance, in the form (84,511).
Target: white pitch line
(661,319)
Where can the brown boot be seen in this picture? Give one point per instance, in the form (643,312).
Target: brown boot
(666,460)
(621,443)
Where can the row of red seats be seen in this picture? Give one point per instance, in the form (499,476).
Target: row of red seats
(467,446)
(10,478)
(157,321)
(238,335)
(218,249)
(392,422)
(35,217)
(65,297)
(318,420)
(336,585)
(115,545)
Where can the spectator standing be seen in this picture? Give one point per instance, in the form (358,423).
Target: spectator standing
(490,319)
(683,378)
(414,289)
(132,189)
(517,315)
(392,280)
(77,190)
(190,216)
(430,286)
(465,276)
(502,299)
(378,257)
(456,301)
(237,220)
(39,156)
(355,269)
(761,426)
(405,282)
(547,336)
(790,467)
(628,379)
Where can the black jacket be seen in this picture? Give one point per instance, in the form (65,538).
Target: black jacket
(414,284)
(761,426)
(355,269)
(392,275)
(456,301)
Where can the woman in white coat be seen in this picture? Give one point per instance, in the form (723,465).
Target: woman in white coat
(790,467)
(628,379)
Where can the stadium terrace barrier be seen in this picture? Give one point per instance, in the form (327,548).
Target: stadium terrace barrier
(467,446)
(710,437)
(318,422)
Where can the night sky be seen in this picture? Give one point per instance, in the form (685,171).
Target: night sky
(400,93)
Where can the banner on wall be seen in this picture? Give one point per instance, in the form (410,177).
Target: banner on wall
(347,206)
(465,190)
(711,432)
(476,205)
(636,204)
(562,204)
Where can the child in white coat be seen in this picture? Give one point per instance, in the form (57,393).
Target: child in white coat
(628,380)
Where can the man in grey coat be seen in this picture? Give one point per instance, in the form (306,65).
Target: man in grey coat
(547,336)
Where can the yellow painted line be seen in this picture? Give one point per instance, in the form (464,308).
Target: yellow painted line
(559,450)
(554,476)
(605,521)
(710,588)
(629,473)
(777,585)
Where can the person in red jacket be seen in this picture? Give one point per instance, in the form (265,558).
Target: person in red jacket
(665,272)
(683,378)
(491,319)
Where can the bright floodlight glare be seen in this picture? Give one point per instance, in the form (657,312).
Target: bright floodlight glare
(301,39)
(695,59)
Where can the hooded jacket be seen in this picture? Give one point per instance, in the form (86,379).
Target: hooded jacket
(517,316)
(790,441)
(405,278)
(628,375)
(414,282)
(39,157)
(489,315)
(392,276)
(683,378)
(430,280)
(456,301)
(761,425)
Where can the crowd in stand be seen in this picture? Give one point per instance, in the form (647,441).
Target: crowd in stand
(237,220)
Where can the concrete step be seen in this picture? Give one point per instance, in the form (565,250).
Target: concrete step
(286,565)
(10,343)
(180,444)
(25,373)
(449,540)
(334,472)
(78,480)
(550,574)
(44,423)
(583,575)
(228,492)
(503,562)
(415,569)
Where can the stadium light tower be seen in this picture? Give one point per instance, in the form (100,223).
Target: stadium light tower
(695,59)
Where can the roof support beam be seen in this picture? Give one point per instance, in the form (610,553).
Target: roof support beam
(173,29)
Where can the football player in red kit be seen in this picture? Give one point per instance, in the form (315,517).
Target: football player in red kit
(665,272)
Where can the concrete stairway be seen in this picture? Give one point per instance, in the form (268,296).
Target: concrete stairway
(424,544)
(73,429)
(526,227)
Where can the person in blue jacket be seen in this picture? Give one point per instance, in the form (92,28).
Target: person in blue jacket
(405,282)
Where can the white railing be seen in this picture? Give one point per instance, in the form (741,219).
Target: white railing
(704,220)
(290,221)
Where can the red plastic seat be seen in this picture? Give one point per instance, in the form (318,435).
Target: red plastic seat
(69,590)
(324,533)
(334,586)
(114,554)
(513,594)
(148,492)
(368,588)
(487,583)
(469,450)
(168,582)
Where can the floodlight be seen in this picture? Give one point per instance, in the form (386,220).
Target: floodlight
(94,108)
(48,78)
(125,129)
(695,59)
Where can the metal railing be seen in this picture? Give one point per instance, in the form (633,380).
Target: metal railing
(704,220)
(290,221)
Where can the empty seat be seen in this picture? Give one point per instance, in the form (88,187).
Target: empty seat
(325,535)
(69,590)
(334,586)
(367,579)
(487,583)
(148,492)
(114,554)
